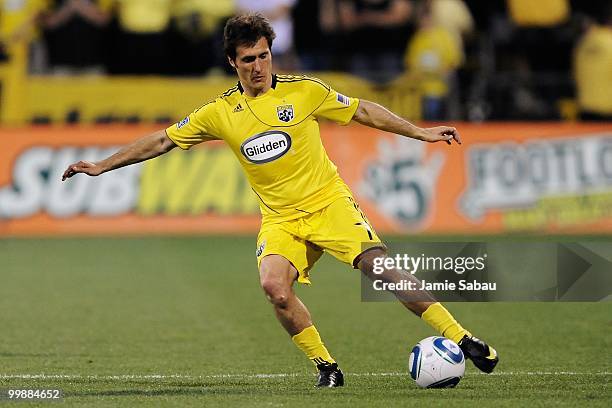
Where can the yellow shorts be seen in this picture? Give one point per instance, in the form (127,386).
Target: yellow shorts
(340,229)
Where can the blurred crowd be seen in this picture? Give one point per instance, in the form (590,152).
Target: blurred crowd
(475,59)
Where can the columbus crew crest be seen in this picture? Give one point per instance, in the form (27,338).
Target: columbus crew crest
(285,113)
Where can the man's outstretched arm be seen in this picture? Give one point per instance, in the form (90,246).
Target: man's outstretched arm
(142,149)
(376,116)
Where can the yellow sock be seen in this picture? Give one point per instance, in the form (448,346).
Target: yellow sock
(309,341)
(444,323)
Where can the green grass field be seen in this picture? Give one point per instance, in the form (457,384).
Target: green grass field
(183,322)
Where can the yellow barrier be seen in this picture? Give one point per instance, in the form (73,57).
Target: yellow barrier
(98,98)
(13,80)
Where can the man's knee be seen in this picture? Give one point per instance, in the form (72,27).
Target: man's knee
(276,278)
(365,262)
(277,293)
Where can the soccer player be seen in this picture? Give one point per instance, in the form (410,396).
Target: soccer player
(271,124)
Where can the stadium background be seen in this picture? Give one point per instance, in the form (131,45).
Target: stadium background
(116,288)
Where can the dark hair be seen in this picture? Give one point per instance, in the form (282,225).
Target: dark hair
(246,30)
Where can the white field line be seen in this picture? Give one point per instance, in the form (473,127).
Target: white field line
(262,375)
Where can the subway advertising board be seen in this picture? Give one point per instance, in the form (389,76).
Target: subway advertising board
(504,178)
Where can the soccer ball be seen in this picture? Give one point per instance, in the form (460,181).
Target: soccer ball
(436,362)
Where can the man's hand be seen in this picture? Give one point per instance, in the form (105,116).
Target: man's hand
(440,133)
(91,169)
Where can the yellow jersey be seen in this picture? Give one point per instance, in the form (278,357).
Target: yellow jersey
(15,13)
(277,140)
(593,70)
(541,13)
(144,16)
(432,53)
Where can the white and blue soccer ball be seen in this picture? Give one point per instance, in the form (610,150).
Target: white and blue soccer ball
(436,362)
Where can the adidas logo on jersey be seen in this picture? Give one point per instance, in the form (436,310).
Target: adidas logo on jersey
(238,108)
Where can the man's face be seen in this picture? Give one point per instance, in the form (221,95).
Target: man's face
(254,66)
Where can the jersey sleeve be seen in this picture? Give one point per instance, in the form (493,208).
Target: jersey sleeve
(337,107)
(196,128)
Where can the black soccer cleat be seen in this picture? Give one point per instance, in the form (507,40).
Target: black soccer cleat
(482,355)
(330,376)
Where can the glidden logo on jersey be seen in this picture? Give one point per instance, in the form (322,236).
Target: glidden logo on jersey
(265,147)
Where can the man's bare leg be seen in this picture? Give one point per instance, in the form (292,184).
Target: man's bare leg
(423,304)
(415,301)
(276,276)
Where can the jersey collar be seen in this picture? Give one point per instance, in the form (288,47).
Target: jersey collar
(273,84)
